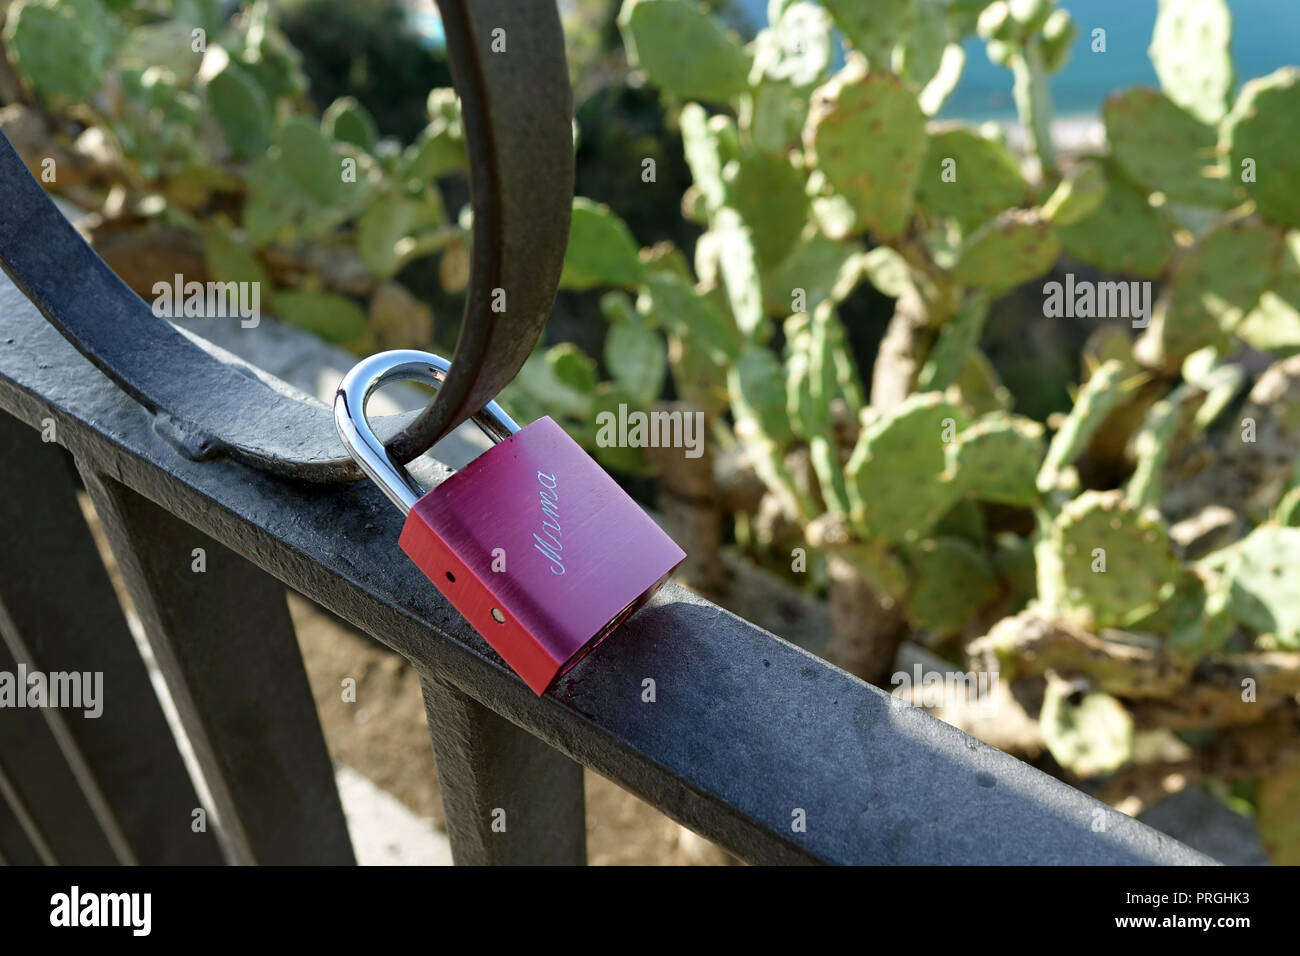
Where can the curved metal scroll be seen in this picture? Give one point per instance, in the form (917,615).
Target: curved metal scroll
(517,109)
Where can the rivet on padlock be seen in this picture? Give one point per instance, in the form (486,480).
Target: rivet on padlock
(579,555)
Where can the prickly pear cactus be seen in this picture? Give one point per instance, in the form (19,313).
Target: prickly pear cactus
(769,195)
(1102,392)
(1167,149)
(1017,246)
(1115,564)
(238,104)
(1089,733)
(997,459)
(1264,570)
(955,346)
(1123,233)
(1259,132)
(601,250)
(1077,196)
(1190,49)
(953,580)
(62,48)
(1211,290)
(870,27)
(347,121)
(897,475)
(684,49)
(969,178)
(866,134)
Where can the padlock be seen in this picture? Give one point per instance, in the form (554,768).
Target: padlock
(532,542)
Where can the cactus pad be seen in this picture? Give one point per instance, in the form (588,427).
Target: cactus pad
(238,104)
(1191,51)
(1140,566)
(684,49)
(1123,233)
(756,385)
(1275,322)
(1017,246)
(1261,127)
(702,145)
(637,359)
(1077,195)
(821,267)
(867,134)
(997,459)
(601,250)
(1089,735)
(769,195)
(987,178)
(953,579)
(953,347)
(1265,581)
(306,156)
(870,27)
(896,476)
(1211,290)
(1166,149)
(347,121)
(65,47)
(1095,401)
(672,303)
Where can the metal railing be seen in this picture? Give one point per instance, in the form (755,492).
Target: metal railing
(750,741)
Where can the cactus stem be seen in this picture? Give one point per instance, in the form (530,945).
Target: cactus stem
(1034,104)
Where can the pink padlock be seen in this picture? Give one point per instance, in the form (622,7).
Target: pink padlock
(532,542)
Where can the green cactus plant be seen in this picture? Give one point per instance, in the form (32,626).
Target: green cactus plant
(1257,134)
(683,49)
(1264,574)
(1089,733)
(63,48)
(898,484)
(953,579)
(959,157)
(875,174)
(1165,148)
(997,459)
(1211,291)
(1123,233)
(1017,246)
(1192,56)
(1113,563)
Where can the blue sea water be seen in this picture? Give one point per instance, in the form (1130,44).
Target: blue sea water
(1266,35)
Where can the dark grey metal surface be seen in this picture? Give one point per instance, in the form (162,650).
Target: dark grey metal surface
(15,847)
(509,799)
(517,110)
(746,729)
(60,610)
(226,648)
(41,790)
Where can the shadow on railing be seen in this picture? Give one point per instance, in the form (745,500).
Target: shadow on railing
(750,741)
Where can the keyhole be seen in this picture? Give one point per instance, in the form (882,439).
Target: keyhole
(498,616)
(451,577)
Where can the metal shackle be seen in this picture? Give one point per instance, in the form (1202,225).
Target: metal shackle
(400,365)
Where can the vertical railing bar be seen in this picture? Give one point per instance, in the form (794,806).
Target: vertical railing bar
(19,810)
(61,614)
(509,798)
(77,762)
(214,641)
